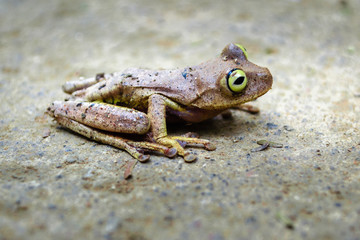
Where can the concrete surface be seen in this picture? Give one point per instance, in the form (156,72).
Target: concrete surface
(66,187)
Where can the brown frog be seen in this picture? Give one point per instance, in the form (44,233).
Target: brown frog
(139,101)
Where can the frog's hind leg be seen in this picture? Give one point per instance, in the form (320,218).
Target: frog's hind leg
(85,118)
(98,136)
(130,146)
(80,84)
(103,90)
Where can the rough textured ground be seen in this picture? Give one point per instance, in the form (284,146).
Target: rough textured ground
(66,187)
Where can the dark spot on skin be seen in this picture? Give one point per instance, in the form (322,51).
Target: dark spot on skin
(99,76)
(127,75)
(78,105)
(91,105)
(102,86)
(83,116)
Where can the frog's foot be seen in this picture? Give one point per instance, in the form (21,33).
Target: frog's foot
(81,84)
(168,152)
(192,139)
(179,142)
(248,108)
(130,146)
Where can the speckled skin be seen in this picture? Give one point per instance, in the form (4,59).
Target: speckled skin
(118,102)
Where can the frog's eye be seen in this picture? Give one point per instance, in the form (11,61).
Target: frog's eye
(236,80)
(243,49)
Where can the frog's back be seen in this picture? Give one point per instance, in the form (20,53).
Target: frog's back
(141,83)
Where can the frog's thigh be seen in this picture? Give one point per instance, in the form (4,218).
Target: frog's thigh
(103,116)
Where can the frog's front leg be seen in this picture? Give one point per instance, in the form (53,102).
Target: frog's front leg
(157,116)
(89,118)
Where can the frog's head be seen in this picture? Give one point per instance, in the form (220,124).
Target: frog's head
(234,81)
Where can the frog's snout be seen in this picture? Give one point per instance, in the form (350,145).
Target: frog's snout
(264,73)
(266,77)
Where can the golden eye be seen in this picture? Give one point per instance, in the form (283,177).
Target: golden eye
(236,80)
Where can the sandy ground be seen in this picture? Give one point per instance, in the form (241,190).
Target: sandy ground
(66,187)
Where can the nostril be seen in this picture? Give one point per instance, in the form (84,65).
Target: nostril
(264,73)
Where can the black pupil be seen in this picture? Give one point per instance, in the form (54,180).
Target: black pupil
(239,80)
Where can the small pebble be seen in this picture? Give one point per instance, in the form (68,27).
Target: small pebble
(271,144)
(271,125)
(237,139)
(59,176)
(261,148)
(52,206)
(46,133)
(129,168)
(288,128)
(70,160)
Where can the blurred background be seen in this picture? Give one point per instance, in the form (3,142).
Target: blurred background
(55,184)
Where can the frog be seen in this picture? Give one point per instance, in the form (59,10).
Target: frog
(116,108)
